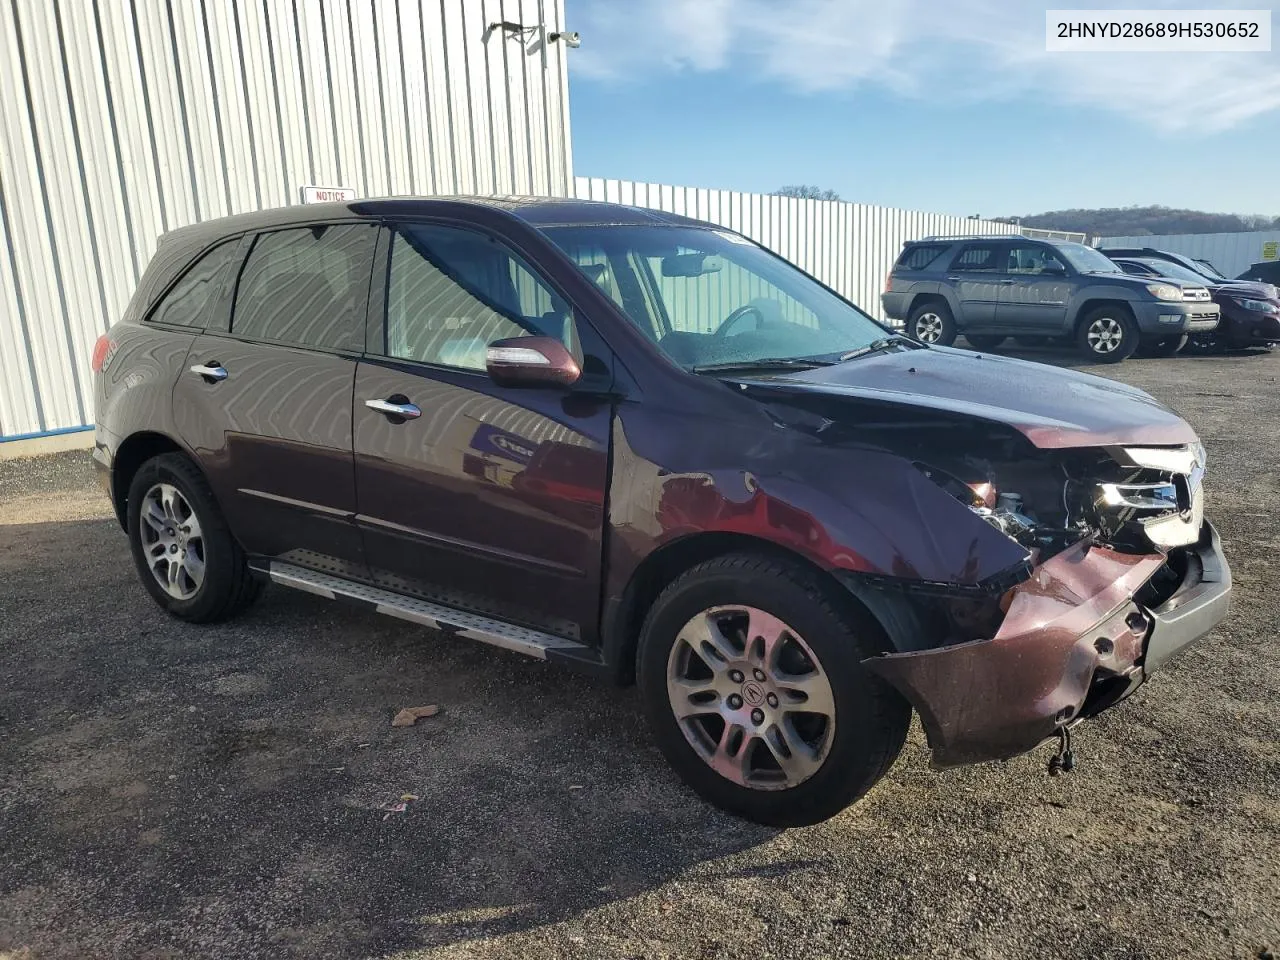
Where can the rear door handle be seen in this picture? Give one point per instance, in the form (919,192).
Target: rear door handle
(212,372)
(1009,280)
(394,408)
(953,279)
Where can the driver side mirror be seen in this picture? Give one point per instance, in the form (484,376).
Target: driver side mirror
(531,362)
(1053,268)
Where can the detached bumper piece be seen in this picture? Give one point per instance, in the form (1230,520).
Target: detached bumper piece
(1078,638)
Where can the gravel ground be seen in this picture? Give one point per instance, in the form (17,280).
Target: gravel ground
(176,791)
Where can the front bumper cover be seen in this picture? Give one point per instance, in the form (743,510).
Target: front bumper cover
(1074,642)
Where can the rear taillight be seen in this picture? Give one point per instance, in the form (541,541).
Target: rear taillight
(888,282)
(100,350)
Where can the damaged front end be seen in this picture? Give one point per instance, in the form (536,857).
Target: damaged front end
(1122,571)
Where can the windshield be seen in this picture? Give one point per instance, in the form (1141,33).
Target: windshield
(1176,271)
(712,298)
(1086,259)
(1209,269)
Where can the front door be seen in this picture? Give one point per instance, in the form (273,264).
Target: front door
(266,406)
(974,276)
(1034,291)
(478,496)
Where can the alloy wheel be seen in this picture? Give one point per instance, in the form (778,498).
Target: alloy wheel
(928,328)
(172,541)
(751,697)
(1105,335)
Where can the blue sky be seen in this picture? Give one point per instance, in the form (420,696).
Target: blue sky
(944,105)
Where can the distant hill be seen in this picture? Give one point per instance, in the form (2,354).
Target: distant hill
(1146,221)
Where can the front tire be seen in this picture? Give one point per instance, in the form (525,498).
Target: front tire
(185,554)
(1108,335)
(932,323)
(749,669)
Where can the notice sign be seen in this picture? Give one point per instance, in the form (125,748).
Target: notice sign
(327,194)
(1271,250)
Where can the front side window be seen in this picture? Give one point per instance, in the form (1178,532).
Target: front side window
(308,287)
(185,304)
(710,297)
(452,292)
(1031,258)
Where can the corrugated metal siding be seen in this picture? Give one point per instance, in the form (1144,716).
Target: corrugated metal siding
(1232,253)
(848,246)
(121,119)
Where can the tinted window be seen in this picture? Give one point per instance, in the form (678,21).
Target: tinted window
(920,256)
(1030,258)
(982,257)
(307,287)
(185,304)
(453,292)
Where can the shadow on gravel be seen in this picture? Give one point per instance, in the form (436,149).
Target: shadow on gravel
(179,790)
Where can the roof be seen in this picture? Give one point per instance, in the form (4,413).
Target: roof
(536,211)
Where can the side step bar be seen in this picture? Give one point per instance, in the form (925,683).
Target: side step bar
(459,623)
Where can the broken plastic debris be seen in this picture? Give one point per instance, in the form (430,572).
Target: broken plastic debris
(400,806)
(411,715)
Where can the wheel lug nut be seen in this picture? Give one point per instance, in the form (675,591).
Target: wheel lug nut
(759,674)
(772,700)
(757,716)
(735,701)
(735,676)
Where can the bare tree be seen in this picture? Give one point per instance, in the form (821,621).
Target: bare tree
(805,191)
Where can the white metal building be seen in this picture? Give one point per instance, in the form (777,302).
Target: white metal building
(121,119)
(1232,253)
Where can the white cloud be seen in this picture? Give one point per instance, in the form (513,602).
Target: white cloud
(942,49)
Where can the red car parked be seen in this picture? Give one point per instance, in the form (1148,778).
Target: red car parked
(649,448)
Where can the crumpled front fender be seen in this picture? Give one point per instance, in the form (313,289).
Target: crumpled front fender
(992,699)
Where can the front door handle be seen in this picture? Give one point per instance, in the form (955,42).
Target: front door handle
(395,408)
(212,372)
(1010,280)
(953,279)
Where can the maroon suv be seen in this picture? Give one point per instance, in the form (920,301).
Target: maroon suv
(647,447)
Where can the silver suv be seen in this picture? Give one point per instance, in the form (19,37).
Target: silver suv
(1039,291)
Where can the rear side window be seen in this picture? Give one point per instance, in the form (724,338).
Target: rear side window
(307,287)
(920,256)
(186,303)
(978,257)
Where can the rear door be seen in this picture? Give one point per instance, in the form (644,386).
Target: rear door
(266,404)
(490,498)
(974,274)
(1034,290)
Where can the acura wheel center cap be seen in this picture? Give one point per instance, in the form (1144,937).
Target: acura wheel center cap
(753,693)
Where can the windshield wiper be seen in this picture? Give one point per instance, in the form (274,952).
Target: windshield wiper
(875,346)
(764,363)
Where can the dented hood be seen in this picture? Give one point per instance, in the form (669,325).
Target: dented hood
(1052,407)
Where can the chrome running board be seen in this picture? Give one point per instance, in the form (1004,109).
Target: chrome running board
(447,620)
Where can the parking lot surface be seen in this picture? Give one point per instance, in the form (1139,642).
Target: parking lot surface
(177,791)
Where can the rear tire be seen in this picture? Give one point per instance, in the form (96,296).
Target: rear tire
(932,323)
(184,551)
(985,341)
(1108,334)
(698,654)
